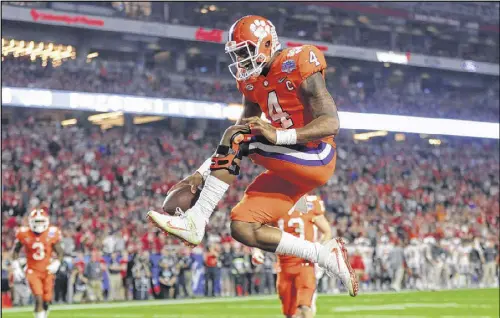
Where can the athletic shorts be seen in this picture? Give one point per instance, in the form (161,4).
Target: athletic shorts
(292,171)
(296,287)
(41,284)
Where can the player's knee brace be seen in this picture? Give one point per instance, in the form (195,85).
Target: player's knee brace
(225,155)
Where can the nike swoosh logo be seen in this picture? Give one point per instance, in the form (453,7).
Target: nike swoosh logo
(281,79)
(336,252)
(175,227)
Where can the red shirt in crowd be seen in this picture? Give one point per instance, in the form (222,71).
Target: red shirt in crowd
(210,259)
(123,272)
(357,262)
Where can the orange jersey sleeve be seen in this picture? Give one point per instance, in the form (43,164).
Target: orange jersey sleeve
(21,234)
(309,60)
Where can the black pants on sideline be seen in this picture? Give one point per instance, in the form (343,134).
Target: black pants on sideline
(61,289)
(165,291)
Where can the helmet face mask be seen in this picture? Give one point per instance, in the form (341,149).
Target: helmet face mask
(38,221)
(252,43)
(245,60)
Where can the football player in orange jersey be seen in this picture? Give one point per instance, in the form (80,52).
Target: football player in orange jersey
(296,146)
(39,240)
(296,282)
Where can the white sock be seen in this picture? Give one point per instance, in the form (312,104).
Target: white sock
(40,314)
(292,245)
(210,195)
(47,314)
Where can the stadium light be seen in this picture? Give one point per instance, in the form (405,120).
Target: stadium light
(419,125)
(101,117)
(49,99)
(69,122)
(146,119)
(232,111)
(399,137)
(368,135)
(34,50)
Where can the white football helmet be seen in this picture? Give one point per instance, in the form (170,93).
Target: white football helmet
(252,43)
(38,220)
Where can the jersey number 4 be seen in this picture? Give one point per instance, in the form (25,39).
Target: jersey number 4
(274,108)
(313,59)
(40,251)
(276,112)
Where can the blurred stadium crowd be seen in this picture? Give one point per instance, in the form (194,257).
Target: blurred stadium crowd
(416,215)
(382,192)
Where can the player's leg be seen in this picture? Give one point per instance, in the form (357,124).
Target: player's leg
(292,172)
(36,286)
(48,292)
(190,227)
(267,199)
(287,293)
(318,273)
(332,256)
(305,283)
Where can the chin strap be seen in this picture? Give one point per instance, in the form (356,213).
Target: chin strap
(225,155)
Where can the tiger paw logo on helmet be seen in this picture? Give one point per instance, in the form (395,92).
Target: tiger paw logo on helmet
(260,28)
(252,41)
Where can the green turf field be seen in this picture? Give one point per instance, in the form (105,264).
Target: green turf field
(445,304)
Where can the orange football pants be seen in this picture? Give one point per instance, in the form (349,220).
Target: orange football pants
(41,284)
(291,173)
(296,286)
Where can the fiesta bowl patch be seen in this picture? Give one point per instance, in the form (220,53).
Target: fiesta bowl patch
(288,66)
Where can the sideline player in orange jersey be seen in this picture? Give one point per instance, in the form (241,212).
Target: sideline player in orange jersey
(296,147)
(39,240)
(296,282)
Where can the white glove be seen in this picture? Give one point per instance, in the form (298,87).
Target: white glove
(257,257)
(17,271)
(54,266)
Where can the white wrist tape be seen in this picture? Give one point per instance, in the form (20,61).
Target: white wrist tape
(204,169)
(286,137)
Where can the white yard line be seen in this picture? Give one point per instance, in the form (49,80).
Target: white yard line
(404,306)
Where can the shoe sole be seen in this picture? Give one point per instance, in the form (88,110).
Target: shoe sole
(151,219)
(354,278)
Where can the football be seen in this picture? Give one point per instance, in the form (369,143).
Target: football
(181,198)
